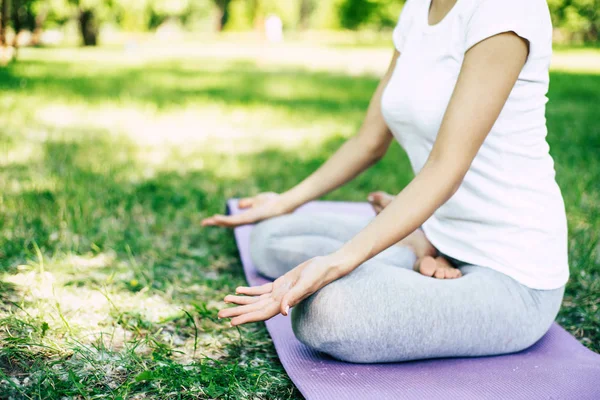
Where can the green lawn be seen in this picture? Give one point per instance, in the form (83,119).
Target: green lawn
(109,159)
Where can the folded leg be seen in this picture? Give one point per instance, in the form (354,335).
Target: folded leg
(280,244)
(381,313)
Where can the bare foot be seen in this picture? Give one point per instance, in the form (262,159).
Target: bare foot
(419,243)
(438,267)
(379,200)
(429,262)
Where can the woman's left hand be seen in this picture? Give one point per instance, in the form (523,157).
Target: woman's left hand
(261,303)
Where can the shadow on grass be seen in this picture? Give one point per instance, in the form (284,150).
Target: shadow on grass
(232,83)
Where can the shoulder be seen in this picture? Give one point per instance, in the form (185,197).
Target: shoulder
(507,8)
(408,11)
(529,19)
(405,22)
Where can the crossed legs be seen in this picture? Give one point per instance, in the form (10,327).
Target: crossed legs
(384,311)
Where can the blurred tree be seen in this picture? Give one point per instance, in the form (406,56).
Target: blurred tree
(58,12)
(223,13)
(89,26)
(306,9)
(354,14)
(22,18)
(579,18)
(4,17)
(23,15)
(40,10)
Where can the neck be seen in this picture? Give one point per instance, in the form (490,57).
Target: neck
(438,10)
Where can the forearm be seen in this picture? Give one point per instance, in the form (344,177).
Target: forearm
(346,163)
(431,188)
(353,157)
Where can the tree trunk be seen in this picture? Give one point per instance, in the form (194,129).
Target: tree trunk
(223,13)
(593,33)
(17,25)
(306,9)
(89,27)
(36,38)
(5,10)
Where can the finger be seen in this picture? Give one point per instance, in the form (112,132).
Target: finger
(241,300)
(210,221)
(216,220)
(255,290)
(294,296)
(239,310)
(246,202)
(262,315)
(229,221)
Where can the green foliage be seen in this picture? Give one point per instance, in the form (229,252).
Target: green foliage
(354,14)
(58,12)
(129,15)
(23,14)
(579,18)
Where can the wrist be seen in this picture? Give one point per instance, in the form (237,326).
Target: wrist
(345,261)
(288,202)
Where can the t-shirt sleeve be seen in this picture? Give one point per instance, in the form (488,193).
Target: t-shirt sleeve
(403,26)
(530,19)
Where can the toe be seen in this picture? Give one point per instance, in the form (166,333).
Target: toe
(440,273)
(427,266)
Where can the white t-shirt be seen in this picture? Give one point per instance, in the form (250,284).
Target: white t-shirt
(508,213)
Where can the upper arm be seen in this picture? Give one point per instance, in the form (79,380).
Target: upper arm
(392,63)
(375,135)
(488,74)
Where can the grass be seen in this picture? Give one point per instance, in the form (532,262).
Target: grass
(109,159)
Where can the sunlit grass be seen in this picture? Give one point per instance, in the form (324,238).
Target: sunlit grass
(109,159)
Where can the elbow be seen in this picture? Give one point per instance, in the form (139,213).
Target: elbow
(455,186)
(454,183)
(375,149)
(452,172)
(377,154)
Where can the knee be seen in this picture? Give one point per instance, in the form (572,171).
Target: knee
(322,323)
(263,240)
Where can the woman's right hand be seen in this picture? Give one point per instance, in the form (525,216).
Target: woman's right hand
(258,208)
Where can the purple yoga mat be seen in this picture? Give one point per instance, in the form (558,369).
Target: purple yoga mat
(556,367)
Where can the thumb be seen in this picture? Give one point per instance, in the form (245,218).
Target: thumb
(294,296)
(246,202)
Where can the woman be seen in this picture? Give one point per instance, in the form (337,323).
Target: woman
(465,96)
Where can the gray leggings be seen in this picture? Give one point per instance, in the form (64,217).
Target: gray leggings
(385,312)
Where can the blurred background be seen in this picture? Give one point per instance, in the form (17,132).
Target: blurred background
(90,22)
(123,123)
